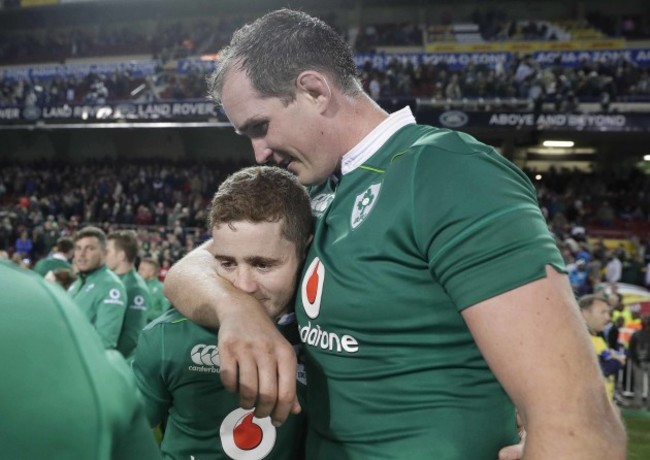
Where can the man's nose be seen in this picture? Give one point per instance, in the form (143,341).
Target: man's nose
(245,280)
(262,151)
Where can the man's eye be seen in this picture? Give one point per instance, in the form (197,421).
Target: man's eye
(227,265)
(258,130)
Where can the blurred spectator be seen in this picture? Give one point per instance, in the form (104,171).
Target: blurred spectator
(579,278)
(614,268)
(24,244)
(595,311)
(640,356)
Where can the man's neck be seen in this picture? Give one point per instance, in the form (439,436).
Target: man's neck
(123,267)
(91,271)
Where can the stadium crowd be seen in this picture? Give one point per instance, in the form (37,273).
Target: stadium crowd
(523,78)
(167,204)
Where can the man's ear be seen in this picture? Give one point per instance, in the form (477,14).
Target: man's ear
(315,86)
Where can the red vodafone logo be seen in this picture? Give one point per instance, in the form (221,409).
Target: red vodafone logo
(246,437)
(312,288)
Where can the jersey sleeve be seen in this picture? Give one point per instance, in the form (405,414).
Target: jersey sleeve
(147,367)
(477,221)
(110,314)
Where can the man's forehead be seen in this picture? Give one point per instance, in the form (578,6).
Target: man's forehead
(88,241)
(237,94)
(268,233)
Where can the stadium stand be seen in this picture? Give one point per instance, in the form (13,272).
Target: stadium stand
(154,59)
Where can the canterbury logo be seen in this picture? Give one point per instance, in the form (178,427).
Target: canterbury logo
(202,354)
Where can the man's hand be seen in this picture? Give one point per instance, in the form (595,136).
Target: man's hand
(515,452)
(257,361)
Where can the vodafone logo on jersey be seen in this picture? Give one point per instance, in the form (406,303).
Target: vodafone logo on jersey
(246,437)
(311,290)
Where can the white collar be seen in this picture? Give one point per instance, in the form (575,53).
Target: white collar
(370,144)
(58,255)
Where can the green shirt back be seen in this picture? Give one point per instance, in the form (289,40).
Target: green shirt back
(63,395)
(48,264)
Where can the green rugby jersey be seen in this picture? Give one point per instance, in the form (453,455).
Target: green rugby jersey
(135,318)
(63,395)
(176,365)
(159,303)
(48,264)
(430,223)
(102,297)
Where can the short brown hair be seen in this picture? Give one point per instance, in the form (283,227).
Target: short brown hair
(586,301)
(94,232)
(127,241)
(151,261)
(265,194)
(64,244)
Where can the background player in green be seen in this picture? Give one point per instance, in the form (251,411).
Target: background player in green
(121,252)
(149,270)
(62,395)
(98,291)
(60,257)
(261,225)
(430,260)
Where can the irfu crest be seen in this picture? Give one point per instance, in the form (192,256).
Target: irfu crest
(364,204)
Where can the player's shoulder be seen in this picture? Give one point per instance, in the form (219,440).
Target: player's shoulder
(108,277)
(429,139)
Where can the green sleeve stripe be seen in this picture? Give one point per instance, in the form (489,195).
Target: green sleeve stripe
(397,155)
(179,321)
(370,168)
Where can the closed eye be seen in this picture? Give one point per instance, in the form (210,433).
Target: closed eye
(226,264)
(257,130)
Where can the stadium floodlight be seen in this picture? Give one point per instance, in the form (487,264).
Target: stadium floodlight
(646,157)
(560,144)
